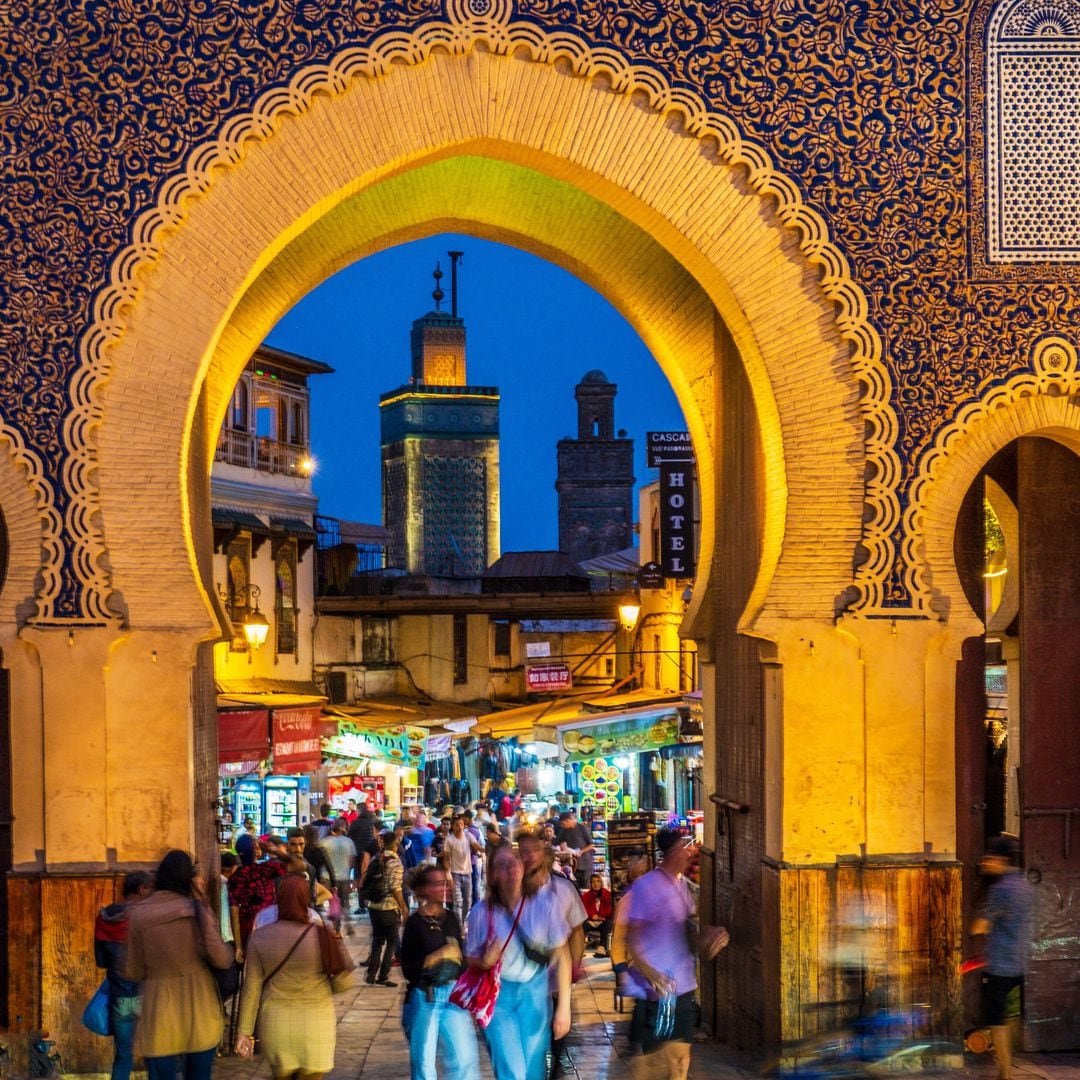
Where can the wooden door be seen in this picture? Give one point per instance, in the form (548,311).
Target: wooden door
(1049,504)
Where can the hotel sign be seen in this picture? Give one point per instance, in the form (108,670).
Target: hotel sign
(677,520)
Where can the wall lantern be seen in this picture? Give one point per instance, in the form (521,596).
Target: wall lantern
(255,625)
(628,614)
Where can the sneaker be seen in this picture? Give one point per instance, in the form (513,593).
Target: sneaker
(600,953)
(386,982)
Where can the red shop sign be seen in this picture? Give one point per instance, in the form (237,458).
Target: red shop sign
(540,677)
(296,740)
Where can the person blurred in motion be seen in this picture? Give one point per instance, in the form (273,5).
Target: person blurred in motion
(1006,921)
(173,943)
(599,912)
(431,961)
(286,990)
(535,933)
(251,888)
(662,942)
(387,910)
(457,856)
(551,888)
(575,838)
(476,835)
(339,856)
(363,833)
(110,951)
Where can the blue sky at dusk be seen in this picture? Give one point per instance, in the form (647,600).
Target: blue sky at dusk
(533,330)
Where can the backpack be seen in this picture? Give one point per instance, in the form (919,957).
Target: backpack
(373,884)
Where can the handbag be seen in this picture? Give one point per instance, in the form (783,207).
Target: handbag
(337,964)
(476,990)
(226,978)
(333,907)
(96,1014)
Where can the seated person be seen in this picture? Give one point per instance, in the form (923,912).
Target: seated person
(598,912)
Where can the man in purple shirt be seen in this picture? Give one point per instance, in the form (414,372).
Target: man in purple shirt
(663,942)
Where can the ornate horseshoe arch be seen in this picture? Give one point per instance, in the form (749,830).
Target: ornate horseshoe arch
(822,414)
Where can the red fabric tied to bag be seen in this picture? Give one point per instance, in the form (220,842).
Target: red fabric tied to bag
(477,990)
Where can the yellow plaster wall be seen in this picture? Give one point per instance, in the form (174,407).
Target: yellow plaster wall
(866,744)
(27,752)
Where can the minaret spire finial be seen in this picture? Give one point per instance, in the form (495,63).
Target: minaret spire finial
(438,294)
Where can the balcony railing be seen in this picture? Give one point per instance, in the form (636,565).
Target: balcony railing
(257,452)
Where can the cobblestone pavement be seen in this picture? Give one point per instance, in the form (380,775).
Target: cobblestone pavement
(372,1045)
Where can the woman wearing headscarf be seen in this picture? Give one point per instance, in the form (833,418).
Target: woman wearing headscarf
(251,889)
(173,942)
(286,988)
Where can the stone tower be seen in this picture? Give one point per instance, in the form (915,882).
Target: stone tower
(440,454)
(596,476)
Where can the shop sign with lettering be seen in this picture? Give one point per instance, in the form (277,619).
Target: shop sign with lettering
(677,520)
(541,677)
(662,447)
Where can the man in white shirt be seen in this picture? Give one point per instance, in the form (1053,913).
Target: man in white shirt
(457,855)
(537,857)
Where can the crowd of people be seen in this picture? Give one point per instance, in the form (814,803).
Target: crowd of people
(462,895)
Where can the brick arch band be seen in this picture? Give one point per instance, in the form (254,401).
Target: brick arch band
(230,245)
(1042,402)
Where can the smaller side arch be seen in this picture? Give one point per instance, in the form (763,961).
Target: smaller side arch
(1043,402)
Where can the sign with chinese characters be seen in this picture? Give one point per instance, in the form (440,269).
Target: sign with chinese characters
(677,520)
(537,649)
(541,677)
(630,735)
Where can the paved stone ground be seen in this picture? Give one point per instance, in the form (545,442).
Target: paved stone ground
(372,1045)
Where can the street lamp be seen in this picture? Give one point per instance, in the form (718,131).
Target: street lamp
(255,624)
(628,614)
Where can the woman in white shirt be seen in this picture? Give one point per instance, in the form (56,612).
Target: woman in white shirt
(530,935)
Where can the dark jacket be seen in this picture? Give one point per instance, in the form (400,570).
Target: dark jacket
(110,949)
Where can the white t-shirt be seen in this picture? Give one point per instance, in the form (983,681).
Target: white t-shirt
(542,924)
(460,852)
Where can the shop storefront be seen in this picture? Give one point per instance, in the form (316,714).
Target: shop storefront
(266,756)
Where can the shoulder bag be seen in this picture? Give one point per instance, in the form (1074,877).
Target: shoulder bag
(336,961)
(227,978)
(476,989)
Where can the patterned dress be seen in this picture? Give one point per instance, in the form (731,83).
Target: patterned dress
(297,1028)
(251,889)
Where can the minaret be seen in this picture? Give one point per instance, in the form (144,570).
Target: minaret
(440,453)
(596,476)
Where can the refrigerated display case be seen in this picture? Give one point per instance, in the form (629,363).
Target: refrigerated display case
(285,802)
(247,802)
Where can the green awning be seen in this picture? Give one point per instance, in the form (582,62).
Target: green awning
(294,527)
(226,518)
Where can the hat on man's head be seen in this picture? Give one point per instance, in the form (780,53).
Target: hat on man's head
(1004,846)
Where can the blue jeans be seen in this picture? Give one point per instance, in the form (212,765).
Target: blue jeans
(520,1030)
(197,1066)
(437,1026)
(123,1015)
